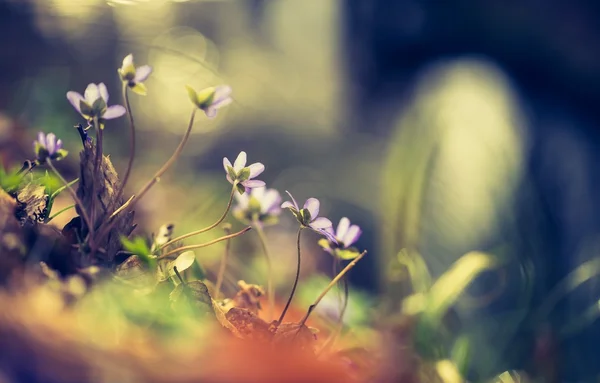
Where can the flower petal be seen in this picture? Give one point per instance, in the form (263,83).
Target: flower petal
(312,205)
(42,139)
(351,236)
(51,143)
(142,73)
(253,184)
(210,112)
(229,179)
(321,223)
(222,93)
(288,205)
(103,91)
(342,228)
(293,200)
(91,94)
(114,111)
(75,99)
(59,145)
(270,201)
(222,103)
(226,164)
(242,200)
(128,60)
(240,162)
(255,169)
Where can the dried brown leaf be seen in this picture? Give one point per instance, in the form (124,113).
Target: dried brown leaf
(249,325)
(106,183)
(291,334)
(248,297)
(32,201)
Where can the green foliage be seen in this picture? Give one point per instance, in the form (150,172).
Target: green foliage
(139,246)
(9,180)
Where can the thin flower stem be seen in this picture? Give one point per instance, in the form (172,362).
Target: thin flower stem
(270,291)
(131,148)
(97,164)
(223,265)
(84,214)
(61,189)
(193,233)
(133,200)
(59,212)
(167,164)
(330,342)
(330,286)
(191,247)
(287,305)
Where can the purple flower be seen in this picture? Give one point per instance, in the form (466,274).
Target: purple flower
(47,146)
(241,175)
(345,236)
(94,103)
(260,205)
(134,77)
(211,99)
(308,216)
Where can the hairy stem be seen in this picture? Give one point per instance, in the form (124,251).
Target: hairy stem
(287,305)
(191,247)
(223,265)
(59,212)
(270,291)
(84,214)
(330,286)
(193,233)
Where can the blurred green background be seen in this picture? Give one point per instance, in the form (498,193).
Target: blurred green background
(440,127)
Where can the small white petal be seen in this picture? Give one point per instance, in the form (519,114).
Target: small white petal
(253,184)
(226,164)
(351,236)
(229,179)
(342,228)
(240,162)
(256,169)
(114,111)
(103,91)
(75,99)
(222,92)
(321,223)
(142,73)
(51,142)
(312,205)
(128,60)
(91,94)
(270,199)
(293,200)
(242,200)
(288,204)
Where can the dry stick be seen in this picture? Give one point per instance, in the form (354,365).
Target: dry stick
(339,324)
(270,291)
(191,247)
(287,305)
(193,233)
(223,265)
(84,214)
(102,231)
(131,149)
(329,286)
(132,201)
(97,164)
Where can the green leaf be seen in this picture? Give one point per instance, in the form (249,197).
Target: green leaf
(205,97)
(139,88)
(347,254)
(461,354)
(192,95)
(99,106)
(231,173)
(194,294)
(453,282)
(243,175)
(86,109)
(418,272)
(60,154)
(138,246)
(240,188)
(9,181)
(184,261)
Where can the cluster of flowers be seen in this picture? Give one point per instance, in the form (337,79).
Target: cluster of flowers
(256,204)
